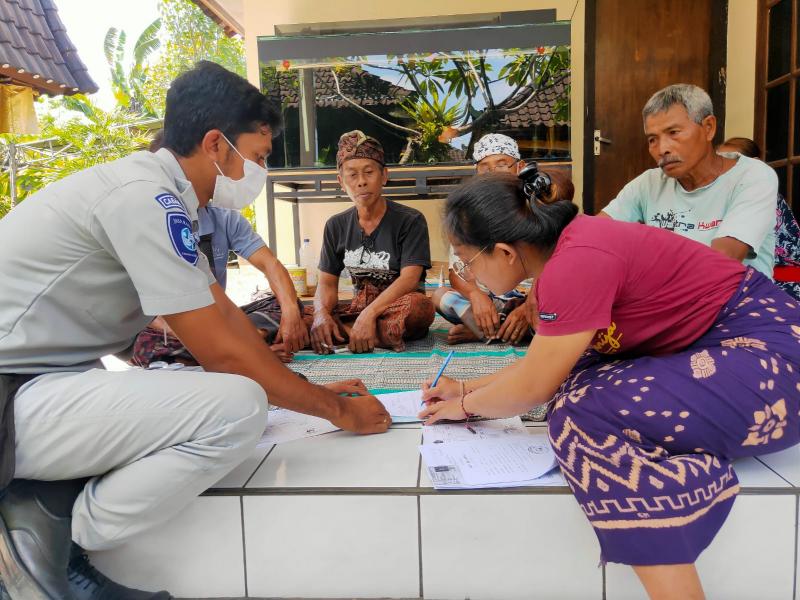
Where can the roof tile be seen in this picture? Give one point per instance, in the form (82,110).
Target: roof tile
(33,37)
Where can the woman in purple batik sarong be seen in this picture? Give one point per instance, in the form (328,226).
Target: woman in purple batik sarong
(661,360)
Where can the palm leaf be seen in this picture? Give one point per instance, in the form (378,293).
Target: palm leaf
(121,40)
(147,43)
(110,44)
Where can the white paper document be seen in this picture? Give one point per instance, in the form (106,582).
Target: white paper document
(402,406)
(286,425)
(491,463)
(495,429)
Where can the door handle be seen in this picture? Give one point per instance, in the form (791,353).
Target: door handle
(599,139)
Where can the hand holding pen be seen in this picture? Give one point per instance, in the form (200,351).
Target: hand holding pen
(441,387)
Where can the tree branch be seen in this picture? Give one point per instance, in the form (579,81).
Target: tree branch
(468,89)
(520,85)
(364,110)
(478,81)
(486,81)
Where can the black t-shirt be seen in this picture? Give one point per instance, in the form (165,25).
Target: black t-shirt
(400,240)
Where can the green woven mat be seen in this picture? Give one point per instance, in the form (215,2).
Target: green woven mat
(384,371)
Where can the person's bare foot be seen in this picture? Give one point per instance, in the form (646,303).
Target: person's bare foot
(461,334)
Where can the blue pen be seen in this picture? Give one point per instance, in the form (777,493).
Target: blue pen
(441,371)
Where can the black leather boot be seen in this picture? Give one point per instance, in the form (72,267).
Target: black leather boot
(87,583)
(35,539)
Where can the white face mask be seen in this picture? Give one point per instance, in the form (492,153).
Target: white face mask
(238,193)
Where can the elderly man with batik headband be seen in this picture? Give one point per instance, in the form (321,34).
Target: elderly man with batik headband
(383,246)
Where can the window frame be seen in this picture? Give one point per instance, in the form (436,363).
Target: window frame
(792,159)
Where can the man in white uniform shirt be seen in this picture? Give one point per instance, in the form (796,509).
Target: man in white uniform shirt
(87,263)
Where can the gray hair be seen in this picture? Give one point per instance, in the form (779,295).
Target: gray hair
(694,99)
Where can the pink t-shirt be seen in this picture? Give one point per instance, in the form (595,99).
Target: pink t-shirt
(646,290)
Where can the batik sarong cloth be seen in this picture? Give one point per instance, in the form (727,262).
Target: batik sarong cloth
(407,318)
(154,344)
(646,443)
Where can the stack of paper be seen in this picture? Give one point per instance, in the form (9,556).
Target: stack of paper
(498,455)
(476,430)
(286,426)
(403,406)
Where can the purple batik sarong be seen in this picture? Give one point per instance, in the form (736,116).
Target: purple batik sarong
(646,443)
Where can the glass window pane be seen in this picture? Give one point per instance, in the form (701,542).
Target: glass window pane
(780,39)
(777,122)
(425,108)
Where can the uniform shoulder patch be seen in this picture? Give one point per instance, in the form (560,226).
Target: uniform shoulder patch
(169,201)
(180,234)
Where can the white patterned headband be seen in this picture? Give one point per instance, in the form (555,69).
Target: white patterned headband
(495,143)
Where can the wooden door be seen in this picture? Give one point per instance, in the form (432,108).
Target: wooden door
(635,48)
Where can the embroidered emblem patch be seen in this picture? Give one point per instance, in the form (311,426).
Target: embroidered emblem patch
(169,201)
(181,236)
(543,316)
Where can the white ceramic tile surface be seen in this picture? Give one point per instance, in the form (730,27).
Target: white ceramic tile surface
(786,462)
(197,554)
(751,558)
(753,473)
(503,547)
(332,546)
(239,476)
(343,459)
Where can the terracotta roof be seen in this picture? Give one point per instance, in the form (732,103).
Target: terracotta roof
(358,85)
(540,110)
(34,40)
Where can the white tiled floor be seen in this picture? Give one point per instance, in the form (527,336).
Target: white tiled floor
(752,473)
(239,476)
(508,547)
(786,462)
(343,459)
(197,554)
(332,546)
(752,557)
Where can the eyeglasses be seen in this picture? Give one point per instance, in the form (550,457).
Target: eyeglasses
(501,167)
(462,268)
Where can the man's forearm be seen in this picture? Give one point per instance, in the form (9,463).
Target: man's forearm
(326,298)
(238,348)
(278,277)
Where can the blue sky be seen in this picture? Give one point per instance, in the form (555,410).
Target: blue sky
(87,22)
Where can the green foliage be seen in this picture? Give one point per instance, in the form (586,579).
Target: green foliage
(128,86)
(188,36)
(89,136)
(431,115)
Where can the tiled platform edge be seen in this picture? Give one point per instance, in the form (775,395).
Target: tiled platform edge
(343,516)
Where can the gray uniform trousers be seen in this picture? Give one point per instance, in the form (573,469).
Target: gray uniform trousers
(150,440)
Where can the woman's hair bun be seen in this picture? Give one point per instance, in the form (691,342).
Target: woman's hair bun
(535,183)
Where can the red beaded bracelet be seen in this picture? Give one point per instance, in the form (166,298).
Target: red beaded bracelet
(467,415)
